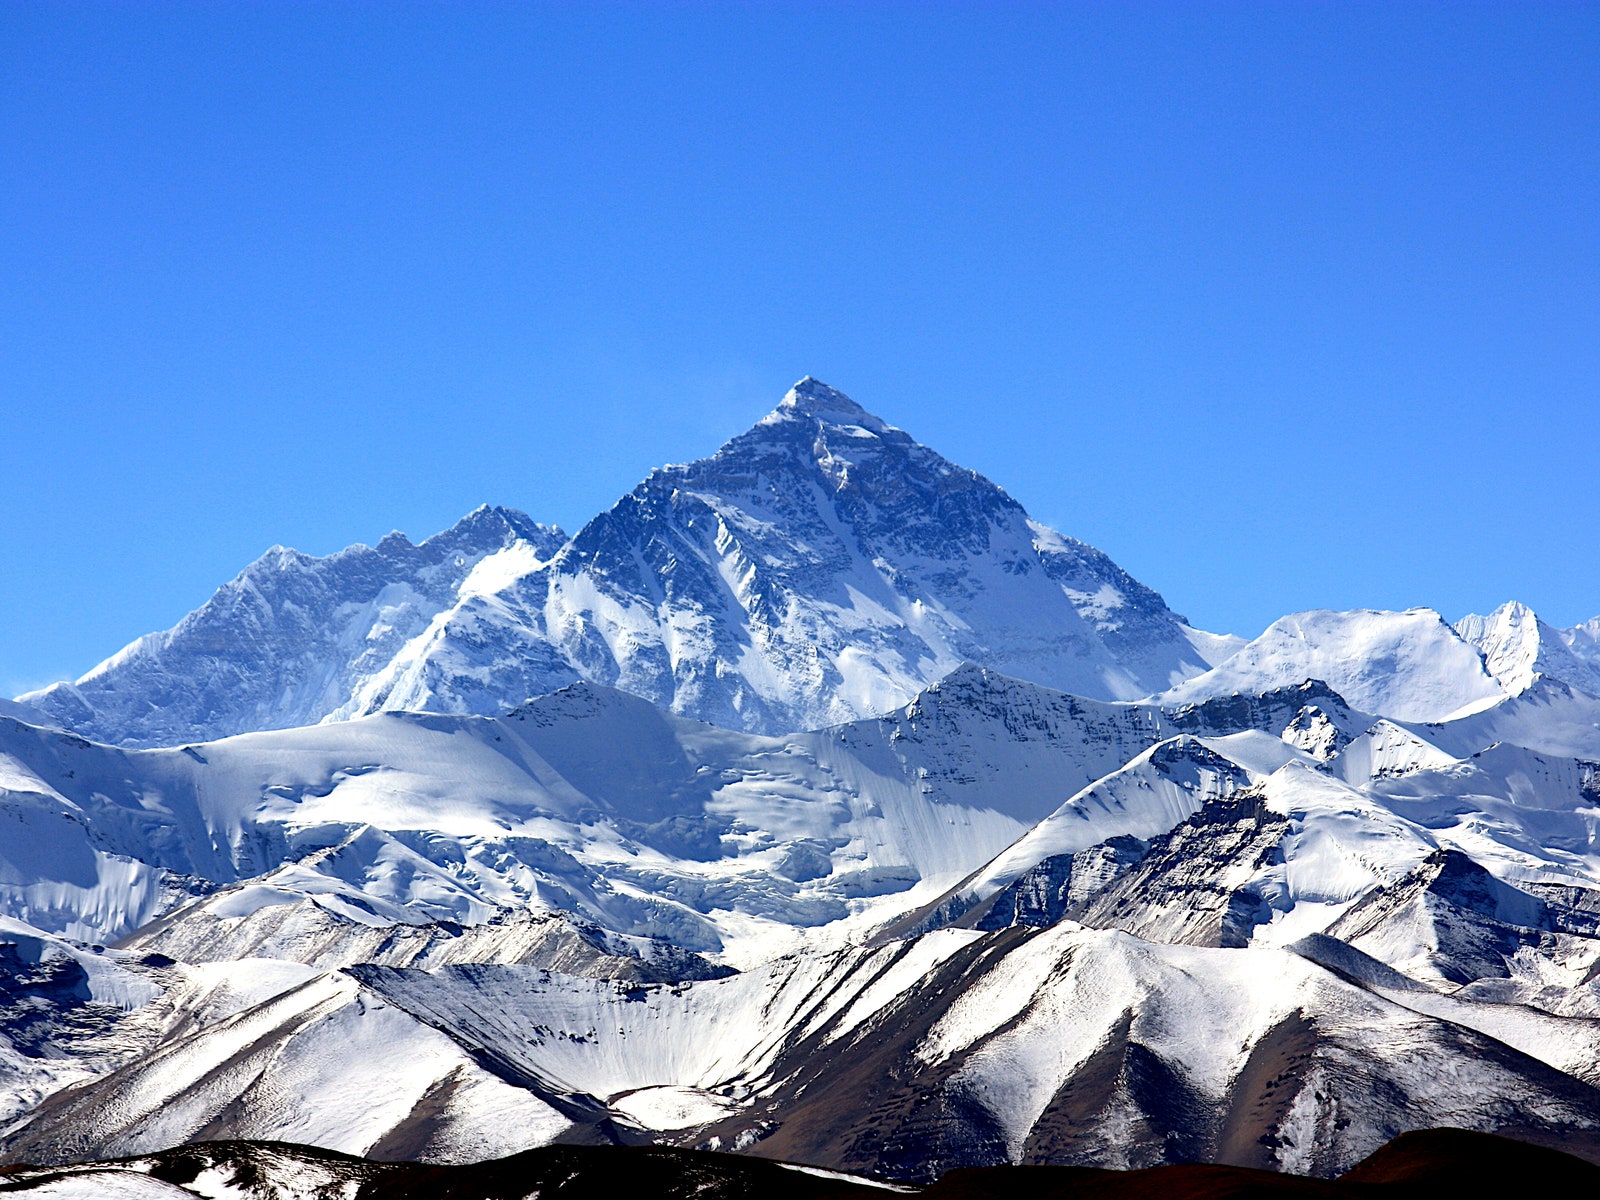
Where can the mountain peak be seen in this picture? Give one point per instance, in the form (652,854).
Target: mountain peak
(815,399)
(1518,647)
(489,526)
(818,568)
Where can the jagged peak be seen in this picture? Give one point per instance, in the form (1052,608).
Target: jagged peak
(491,521)
(972,683)
(586,698)
(971,676)
(1513,613)
(1518,648)
(968,672)
(813,399)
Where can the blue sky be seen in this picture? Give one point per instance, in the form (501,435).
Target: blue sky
(1283,306)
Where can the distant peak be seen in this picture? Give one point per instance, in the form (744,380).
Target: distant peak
(490,524)
(813,398)
(1514,611)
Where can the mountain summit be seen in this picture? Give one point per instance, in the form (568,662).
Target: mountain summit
(814,399)
(819,567)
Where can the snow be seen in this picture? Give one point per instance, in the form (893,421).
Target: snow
(673,1107)
(1154,792)
(110,1184)
(1518,648)
(354,1070)
(288,641)
(1342,842)
(1549,716)
(395,819)
(1386,751)
(862,1180)
(1410,666)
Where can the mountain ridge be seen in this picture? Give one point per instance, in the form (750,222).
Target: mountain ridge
(821,566)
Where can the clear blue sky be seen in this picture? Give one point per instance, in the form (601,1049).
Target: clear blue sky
(1283,306)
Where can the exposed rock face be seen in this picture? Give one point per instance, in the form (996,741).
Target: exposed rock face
(1059,888)
(1191,886)
(1452,924)
(319,935)
(1302,707)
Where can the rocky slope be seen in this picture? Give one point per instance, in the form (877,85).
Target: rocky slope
(957,1048)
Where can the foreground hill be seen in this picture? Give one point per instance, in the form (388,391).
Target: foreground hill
(1434,1162)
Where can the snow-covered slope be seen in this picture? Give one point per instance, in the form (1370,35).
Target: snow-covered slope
(590,801)
(62,1010)
(1152,793)
(1518,648)
(358,841)
(361,840)
(290,639)
(1450,924)
(1384,751)
(441,934)
(1411,665)
(821,567)
(953,1049)
(1548,716)
(406,819)
(1584,640)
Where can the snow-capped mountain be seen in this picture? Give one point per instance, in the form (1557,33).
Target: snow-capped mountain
(289,640)
(1583,640)
(957,1048)
(822,566)
(1518,648)
(1411,665)
(561,924)
(589,801)
(442,852)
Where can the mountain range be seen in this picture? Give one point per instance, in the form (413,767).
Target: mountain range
(812,803)
(820,567)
